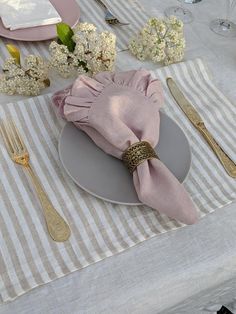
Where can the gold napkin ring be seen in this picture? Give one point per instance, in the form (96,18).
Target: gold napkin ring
(137,153)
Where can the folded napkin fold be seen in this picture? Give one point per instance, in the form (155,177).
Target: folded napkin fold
(27,13)
(117,110)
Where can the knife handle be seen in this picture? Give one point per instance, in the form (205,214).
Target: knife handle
(227,163)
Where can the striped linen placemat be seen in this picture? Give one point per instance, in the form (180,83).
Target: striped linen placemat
(28,256)
(91,11)
(126,10)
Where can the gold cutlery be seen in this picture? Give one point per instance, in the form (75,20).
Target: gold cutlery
(57,227)
(109,17)
(199,124)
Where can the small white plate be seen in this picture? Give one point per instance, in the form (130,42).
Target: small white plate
(68,11)
(106,177)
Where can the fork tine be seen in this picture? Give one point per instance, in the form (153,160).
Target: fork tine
(112,20)
(11,137)
(5,137)
(123,24)
(15,137)
(115,21)
(18,136)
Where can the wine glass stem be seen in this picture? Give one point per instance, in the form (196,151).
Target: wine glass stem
(230,7)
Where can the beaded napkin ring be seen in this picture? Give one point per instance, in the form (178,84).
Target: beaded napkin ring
(137,153)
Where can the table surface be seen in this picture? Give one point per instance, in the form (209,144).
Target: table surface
(179,272)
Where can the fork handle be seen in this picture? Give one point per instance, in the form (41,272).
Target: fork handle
(57,226)
(102,4)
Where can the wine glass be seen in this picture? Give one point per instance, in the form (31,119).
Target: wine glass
(180,12)
(225,27)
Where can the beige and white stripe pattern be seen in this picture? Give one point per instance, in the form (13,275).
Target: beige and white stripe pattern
(126,10)
(208,183)
(91,11)
(28,256)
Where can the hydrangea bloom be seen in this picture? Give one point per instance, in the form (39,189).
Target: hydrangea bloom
(27,80)
(94,52)
(160,40)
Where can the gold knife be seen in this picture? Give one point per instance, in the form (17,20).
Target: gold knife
(197,121)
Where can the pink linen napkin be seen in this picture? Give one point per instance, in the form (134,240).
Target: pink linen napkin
(117,110)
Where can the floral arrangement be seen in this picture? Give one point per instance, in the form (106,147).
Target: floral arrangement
(26,79)
(160,40)
(82,50)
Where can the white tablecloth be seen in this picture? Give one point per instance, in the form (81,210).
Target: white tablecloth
(197,269)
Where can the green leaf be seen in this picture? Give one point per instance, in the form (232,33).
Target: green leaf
(65,33)
(14,52)
(59,41)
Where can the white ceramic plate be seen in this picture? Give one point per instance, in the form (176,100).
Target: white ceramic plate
(105,176)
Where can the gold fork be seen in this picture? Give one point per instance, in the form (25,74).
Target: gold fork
(109,17)
(57,227)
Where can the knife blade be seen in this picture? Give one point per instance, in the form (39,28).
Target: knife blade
(195,118)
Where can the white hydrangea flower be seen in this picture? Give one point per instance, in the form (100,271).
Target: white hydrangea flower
(85,27)
(63,60)
(28,79)
(160,40)
(94,52)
